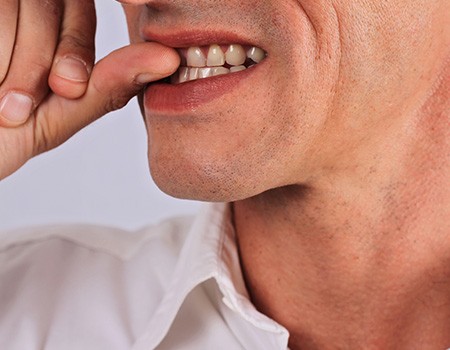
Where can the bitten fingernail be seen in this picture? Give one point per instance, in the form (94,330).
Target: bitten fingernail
(16,107)
(72,69)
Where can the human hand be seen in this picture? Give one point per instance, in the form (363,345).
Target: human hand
(43,43)
(47,92)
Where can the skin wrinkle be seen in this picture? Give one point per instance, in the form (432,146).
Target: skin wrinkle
(339,54)
(336,162)
(316,34)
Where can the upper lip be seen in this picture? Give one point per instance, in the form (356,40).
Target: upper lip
(189,38)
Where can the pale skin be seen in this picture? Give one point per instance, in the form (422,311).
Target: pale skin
(337,162)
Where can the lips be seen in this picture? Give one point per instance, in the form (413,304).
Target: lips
(210,68)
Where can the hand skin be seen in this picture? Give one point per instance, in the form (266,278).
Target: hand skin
(337,160)
(76,97)
(37,43)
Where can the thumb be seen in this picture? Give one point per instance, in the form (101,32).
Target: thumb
(114,81)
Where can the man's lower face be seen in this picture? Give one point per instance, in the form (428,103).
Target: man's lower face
(244,111)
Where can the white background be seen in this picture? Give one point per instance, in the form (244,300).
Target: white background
(101,175)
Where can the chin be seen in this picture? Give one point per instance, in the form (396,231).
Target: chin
(205,183)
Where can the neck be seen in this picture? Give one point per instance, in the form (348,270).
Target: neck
(360,259)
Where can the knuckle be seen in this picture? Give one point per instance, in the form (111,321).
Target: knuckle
(46,136)
(34,83)
(41,141)
(78,39)
(115,100)
(37,76)
(78,45)
(38,67)
(52,7)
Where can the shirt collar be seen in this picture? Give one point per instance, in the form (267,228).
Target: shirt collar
(210,251)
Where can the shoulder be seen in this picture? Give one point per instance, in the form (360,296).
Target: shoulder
(118,243)
(51,276)
(77,251)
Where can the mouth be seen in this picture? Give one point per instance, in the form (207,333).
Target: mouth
(212,65)
(215,60)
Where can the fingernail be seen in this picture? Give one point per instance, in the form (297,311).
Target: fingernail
(16,107)
(72,69)
(145,78)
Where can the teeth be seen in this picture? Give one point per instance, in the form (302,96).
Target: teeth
(256,54)
(235,55)
(237,69)
(205,73)
(205,62)
(184,74)
(195,57)
(220,71)
(216,58)
(193,73)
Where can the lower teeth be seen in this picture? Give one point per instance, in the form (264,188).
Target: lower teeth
(186,74)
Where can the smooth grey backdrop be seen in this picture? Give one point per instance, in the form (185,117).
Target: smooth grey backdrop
(101,175)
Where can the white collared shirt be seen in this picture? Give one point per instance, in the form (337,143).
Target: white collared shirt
(177,285)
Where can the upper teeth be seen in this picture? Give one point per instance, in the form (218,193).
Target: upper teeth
(204,62)
(216,57)
(235,55)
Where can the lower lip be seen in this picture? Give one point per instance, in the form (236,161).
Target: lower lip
(167,98)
